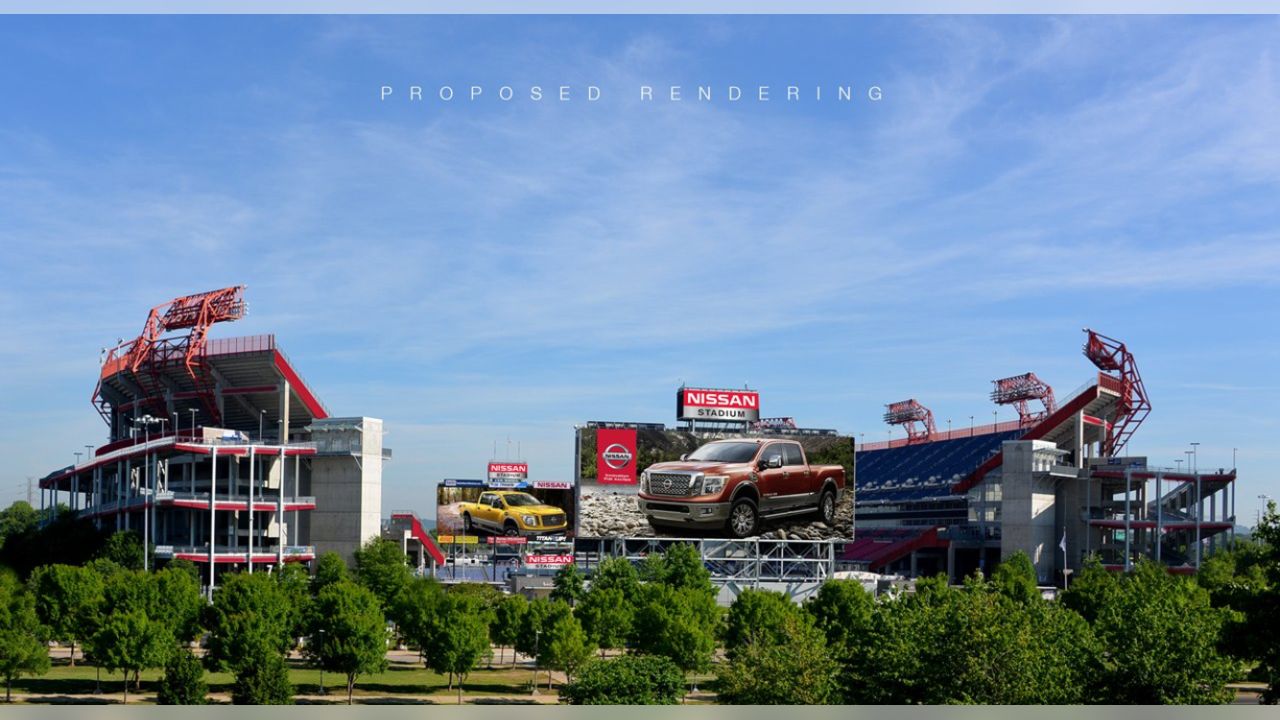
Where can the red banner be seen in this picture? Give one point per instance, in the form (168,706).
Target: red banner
(549,560)
(616,456)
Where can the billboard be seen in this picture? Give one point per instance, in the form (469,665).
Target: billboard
(505,513)
(718,405)
(647,480)
(507,474)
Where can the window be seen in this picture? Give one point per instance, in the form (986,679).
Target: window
(792,455)
(730,452)
(487,498)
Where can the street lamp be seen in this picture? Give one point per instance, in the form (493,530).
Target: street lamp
(262,414)
(948,428)
(321,653)
(193,412)
(537,636)
(1195,457)
(147,421)
(77,454)
(970,426)
(1179,464)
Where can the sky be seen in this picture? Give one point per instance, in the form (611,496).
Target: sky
(478,271)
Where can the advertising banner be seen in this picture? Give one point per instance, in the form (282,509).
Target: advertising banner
(616,456)
(507,474)
(719,405)
(507,512)
(786,483)
(548,560)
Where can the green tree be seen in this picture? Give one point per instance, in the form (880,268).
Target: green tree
(418,609)
(626,680)
(784,665)
(1015,577)
(505,628)
(67,601)
(330,568)
(1092,590)
(1161,634)
(250,619)
(21,649)
(680,623)
(682,567)
(843,611)
(183,682)
(565,647)
(124,548)
(569,584)
(759,617)
(537,617)
(457,640)
(131,642)
(616,573)
(606,615)
(355,633)
(18,519)
(262,679)
(382,566)
(1263,612)
(180,604)
(295,584)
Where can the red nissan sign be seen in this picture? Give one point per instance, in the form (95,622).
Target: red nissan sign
(507,473)
(708,404)
(616,456)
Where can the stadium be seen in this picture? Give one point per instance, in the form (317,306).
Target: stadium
(220,453)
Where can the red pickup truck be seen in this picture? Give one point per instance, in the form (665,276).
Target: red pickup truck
(737,483)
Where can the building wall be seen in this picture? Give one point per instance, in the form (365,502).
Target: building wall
(346,480)
(1028,507)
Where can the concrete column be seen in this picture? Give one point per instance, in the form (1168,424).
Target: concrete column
(213,493)
(1159,512)
(280,514)
(252,479)
(1077,450)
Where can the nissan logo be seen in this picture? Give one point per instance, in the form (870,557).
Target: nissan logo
(617,456)
(666,483)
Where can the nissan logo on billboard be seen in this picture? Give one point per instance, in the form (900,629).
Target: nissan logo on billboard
(617,456)
(710,404)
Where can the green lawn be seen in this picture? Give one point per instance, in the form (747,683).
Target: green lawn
(63,683)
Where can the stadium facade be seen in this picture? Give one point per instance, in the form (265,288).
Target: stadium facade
(1053,484)
(219,452)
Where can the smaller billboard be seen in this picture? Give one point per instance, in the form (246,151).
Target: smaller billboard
(548,561)
(616,456)
(507,474)
(506,513)
(719,405)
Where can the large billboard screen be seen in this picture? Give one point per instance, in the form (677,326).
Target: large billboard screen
(504,513)
(647,480)
(717,405)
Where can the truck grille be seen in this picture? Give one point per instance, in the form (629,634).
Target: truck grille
(670,483)
(552,520)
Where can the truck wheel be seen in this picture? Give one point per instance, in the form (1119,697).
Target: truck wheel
(466,524)
(743,518)
(827,508)
(510,529)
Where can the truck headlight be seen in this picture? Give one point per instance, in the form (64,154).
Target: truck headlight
(712,484)
(530,520)
(644,481)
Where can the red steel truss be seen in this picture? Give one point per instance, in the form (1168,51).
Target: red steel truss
(1111,356)
(151,353)
(1019,390)
(907,413)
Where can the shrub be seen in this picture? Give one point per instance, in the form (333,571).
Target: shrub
(627,680)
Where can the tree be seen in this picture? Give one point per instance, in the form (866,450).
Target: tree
(249,619)
(183,682)
(18,519)
(760,617)
(180,603)
(131,642)
(124,548)
(1015,577)
(626,680)
(330,568)
(785,665)
(565,647)
(682,567)
(67,600)
(382,566)
(457,640)
(1262,611)
(505,628)
(843,611)
(679,623)
(21,649)
(616,573)
(606,615)
(262,679)
(295,584)
(568,582)
(355,633)
(1092,590)
(1161,634)
(417,610)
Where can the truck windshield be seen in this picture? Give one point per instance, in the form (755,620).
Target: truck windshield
(729,452)
(521,500)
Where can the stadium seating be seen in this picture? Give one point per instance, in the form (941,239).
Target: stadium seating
(924,470)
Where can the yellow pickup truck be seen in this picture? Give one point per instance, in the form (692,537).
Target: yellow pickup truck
(512,513)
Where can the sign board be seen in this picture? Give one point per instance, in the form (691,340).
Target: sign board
(548,560)
(458,539)
(507,474)
(719,405)
(616,456)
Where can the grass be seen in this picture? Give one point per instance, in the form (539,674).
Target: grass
(63,682)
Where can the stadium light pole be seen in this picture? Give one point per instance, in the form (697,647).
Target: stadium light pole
(970,426)
(193,412)
(1195,457)
(948,428)
(77,454)
(1233,458)
(1179,464)
(262,415)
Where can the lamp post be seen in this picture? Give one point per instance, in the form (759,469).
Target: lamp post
(321,653)
(77,454)
(970,426)
(262,414)
(193,412)
(1178,462)
(948,428)
(537,637)
(146,421)
(1195,457)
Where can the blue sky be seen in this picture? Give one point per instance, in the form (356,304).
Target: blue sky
(476,271)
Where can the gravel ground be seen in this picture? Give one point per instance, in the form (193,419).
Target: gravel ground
(610,514)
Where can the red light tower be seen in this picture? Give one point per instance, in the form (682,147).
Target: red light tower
(1019,391)
(907,413)
(1111,356)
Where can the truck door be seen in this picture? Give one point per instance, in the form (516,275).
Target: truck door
(772,485)
(797,480)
